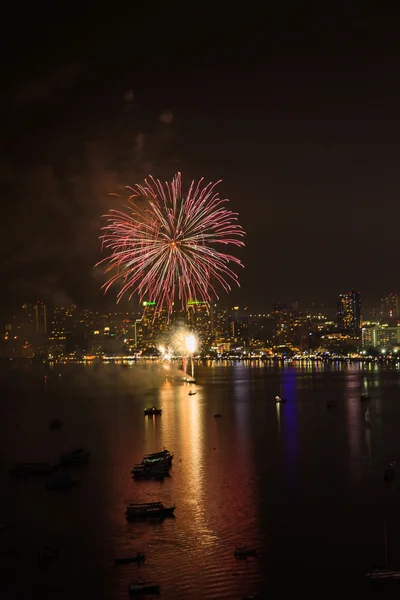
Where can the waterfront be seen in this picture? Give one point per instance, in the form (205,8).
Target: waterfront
(300,483)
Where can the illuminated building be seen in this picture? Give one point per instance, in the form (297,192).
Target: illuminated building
(63,322)
(369,335)
(199,319)
(35,318)
(349,312)
(238,327)
(388,336)
(390,306)
(219,323)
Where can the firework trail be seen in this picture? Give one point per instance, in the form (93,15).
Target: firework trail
(165,245)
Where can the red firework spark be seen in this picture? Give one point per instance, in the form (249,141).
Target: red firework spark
(166,247)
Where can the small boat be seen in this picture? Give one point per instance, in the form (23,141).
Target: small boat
(244,552)
(56,424)
(217,415)
(144,588)
(61,482)
(34,468)
(161,454)
(165,460)
(365,397)
(191,393)
(75,457)
(331,404)
(48,553)
(279,400)
(152,411)
(149,510)
(139,558)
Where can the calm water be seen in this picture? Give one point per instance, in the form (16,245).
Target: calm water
(300,483)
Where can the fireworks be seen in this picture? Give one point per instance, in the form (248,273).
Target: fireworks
(165,245)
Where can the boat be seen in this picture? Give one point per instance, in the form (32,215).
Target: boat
(61,482)
(160,462)
(48,553)
(279,400)
(139,558)
(191,393)
(381,574)
(217,415)
(152,411)
(244,552)
(34,468)
(149,510)
(365,397)
(144,588)
(78,456)
(56,424)
(331,404)
(161,454)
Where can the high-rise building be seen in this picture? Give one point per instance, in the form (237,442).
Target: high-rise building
(390,306)
(349,312)
(198,317)
(239,326)
(35,317)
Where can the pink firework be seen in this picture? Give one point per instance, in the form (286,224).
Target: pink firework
(164,246)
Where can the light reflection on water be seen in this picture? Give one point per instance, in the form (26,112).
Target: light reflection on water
(232,478)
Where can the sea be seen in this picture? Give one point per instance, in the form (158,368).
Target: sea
(299,482)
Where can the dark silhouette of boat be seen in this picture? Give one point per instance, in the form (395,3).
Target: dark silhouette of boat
(149,510)
(217,415)
(61,482)
(75,457)
(143,588)
(152,411)
(161,454)
(365,397)
(191,393)
(244,552)
(139,558)
(33,468)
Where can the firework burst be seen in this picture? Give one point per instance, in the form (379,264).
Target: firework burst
(166,246)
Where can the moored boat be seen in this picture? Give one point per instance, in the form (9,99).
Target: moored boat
(162,461)
(161,454)
(149,510)
(125,560)
(152,411)
(192,393)
(78,456)
(144,472)
(33,468)
(144,588)
(383,574)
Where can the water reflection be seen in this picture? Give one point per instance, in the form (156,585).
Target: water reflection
(354,417)
(289,392)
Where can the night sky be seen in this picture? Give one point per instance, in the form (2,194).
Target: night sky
(297,113)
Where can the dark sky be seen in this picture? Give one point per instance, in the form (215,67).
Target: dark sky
(297,112)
